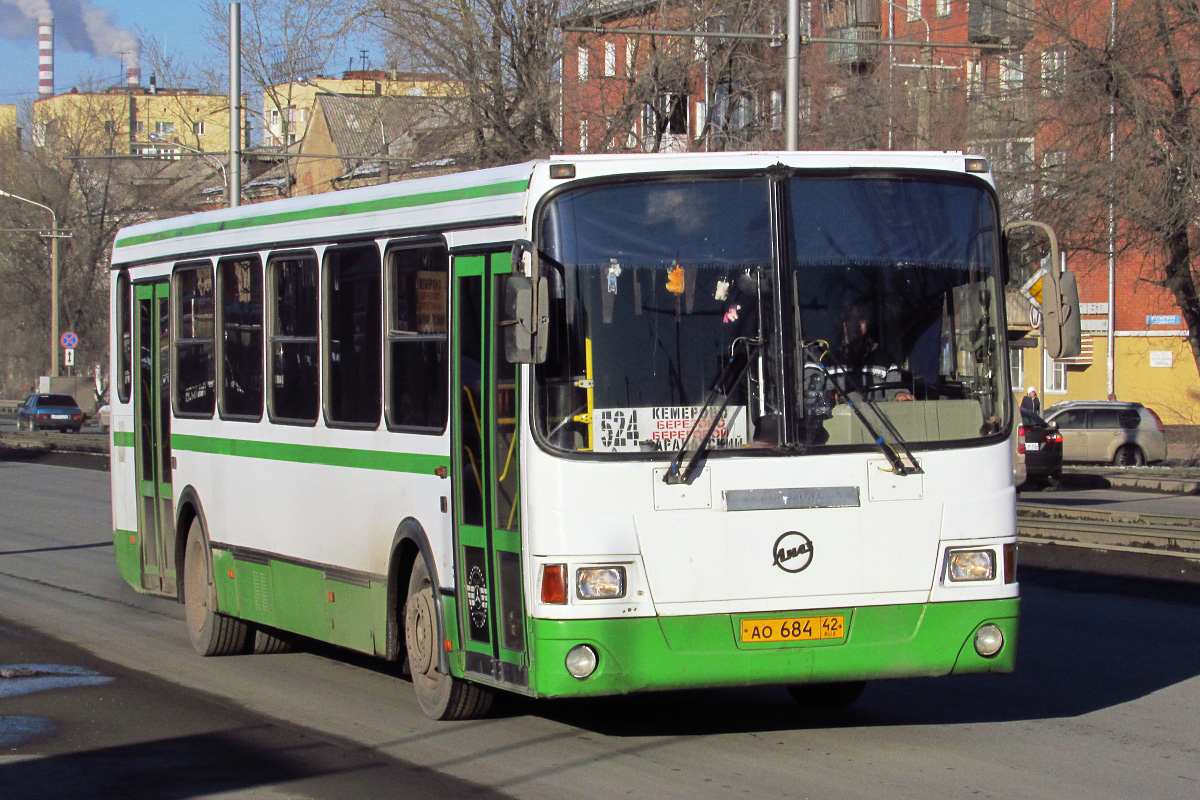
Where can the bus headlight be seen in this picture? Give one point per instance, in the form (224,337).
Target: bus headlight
(971,565)
(989,639)
(581,661)
(600,583)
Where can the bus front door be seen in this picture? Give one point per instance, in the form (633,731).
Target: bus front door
(489,597)
(152,445)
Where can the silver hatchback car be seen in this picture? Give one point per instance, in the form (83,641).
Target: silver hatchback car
(1106,431)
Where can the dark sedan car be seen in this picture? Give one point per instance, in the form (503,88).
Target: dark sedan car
(49,412)
(1041,445)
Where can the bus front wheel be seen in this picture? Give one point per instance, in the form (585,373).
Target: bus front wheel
(212,634)
(440,695)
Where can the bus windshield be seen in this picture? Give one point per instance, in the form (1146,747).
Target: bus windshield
(786,297)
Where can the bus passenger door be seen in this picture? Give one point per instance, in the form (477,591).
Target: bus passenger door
(491,613)
(152,445)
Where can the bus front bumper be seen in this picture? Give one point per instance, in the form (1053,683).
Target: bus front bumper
(656,653)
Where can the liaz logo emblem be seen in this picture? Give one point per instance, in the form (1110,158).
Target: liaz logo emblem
(793,552)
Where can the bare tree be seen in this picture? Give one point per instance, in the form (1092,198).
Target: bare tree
(501,58)
(1132,77)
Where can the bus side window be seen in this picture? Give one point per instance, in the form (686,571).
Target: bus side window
(194,368)
(292,372)
(354,328)
(239,287)
(124,320)
(416,362)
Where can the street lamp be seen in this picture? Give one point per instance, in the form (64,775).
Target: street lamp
(224,174)
(53,278)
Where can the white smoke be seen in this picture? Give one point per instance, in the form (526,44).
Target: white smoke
(78,25)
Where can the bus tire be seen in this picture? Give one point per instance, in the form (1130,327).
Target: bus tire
(441,696)
(212,634)
(827,695)
(267,642)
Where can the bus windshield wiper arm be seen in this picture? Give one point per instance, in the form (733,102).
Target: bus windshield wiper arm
(695,444)
(903,462)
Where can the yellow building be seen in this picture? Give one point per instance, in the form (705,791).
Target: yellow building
(288,107)
(132,120)
(8,125)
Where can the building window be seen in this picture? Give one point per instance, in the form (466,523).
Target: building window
(138,127)
(610,59)
(776,109)
(1055,376)
(417,365)
(974,77)
(240,287)
(110,127)
(198,128)
(1054,71)
(630,56)
(353,330)
(806,17)
(292,365)
(1016,368)
(194,359)
(667,116)
(913,9)
(1012,73)
(583,135)
(164,128)
(583,64)
(942,8)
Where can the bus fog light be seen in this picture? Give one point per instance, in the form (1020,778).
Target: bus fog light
(600,583)
(581,661)
(989,640)
(971,565)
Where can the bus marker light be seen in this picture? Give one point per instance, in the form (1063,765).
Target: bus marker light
(581,661)
(449,645)
(231,572)
(554,584)
(1010,563)
(989,640)
(331,597)
(562,170)
(976,165)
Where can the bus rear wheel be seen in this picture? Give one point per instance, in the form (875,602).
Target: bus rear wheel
(827,695)
(212,634)
(441,696)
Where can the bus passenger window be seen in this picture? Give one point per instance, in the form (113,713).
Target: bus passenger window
(354,329)
(416,362)
(194,380)
(240,290)
(124,320)
(292,365)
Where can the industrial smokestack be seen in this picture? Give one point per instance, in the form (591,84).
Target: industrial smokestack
(45,56)
(133,70)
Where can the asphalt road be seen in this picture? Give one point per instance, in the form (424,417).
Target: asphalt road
(1104,703)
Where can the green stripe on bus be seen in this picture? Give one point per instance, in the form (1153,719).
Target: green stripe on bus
(310,454)
(345,209)
(123,438)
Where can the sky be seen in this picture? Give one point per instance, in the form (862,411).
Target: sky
(90,35)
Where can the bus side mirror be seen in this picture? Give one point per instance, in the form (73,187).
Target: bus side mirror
(526,314)
(1060,316)
(1060,299)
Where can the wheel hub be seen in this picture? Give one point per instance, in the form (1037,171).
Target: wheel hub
(419,632)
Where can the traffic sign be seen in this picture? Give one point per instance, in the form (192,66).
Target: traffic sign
(69,340)
(69,357)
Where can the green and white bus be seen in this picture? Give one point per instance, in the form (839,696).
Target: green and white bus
(583,426)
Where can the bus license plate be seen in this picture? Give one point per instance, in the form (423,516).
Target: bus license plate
(793,629)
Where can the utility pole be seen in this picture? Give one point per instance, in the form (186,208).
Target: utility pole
(235,105)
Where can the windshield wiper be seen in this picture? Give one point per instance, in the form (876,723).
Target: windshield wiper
(902,460)
(695,444)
